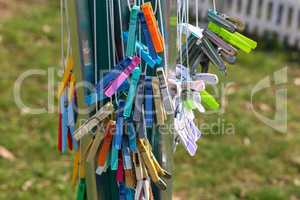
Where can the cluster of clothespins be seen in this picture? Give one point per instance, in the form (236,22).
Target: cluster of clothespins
(132,103)
(129,102)
(217,44)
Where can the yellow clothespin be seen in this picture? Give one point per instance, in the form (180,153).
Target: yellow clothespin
(66,78)
(71,87)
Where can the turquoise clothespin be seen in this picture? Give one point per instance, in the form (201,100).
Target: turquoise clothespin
(135,77)
(130,50)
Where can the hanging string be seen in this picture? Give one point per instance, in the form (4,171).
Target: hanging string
(186,34)
(214,5)
(95,51)
(163,35)
(121,27)
(197,13)
(128,4)
(62,34)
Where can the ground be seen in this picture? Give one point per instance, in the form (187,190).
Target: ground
(256,162)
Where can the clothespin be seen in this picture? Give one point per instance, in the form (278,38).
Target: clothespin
(160,112)
(117,139)
(212,54)
(186,137)
(149,113)
(193,101)
(120,170)
(128,168)
(219,20)
(115,84)
(150,164)
(132,92)
(227,58)
(163,85)
(98,94)
(225,47)
(239,25)
(139,100)
(66,76)
(141,125)
(81,191)
(147,36)
(208,78)
(114,159)
(104,150)
(131,135)
(93,121)
(130,50)
(209,102)
(236,39)
(64,123)
(143,182)
(75,174)
(144,53)
(153,27)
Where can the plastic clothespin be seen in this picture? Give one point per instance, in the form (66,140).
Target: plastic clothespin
(208,78)
(93,121)
(163,85)
(240,25)
(117,139)
(153,27)
(128,168)
(160,112)
(145,154)
(132,92)
(208,101)
(64,121)
(143,51)
(221,21)
(139,100)
(236,39)
(114,158)
(81,191)
(141,177)
(228,58)
(120,170)
(227,48)
(147,36)
(98,94)
(148,102)
(212,53)
(193,101)
(104,150)
(66,76)
(130,50)
(115,84)
(131,135)
(72,122)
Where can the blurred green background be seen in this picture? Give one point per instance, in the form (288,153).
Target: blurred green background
(255,162)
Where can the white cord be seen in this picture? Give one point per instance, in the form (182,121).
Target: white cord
(128,4)
(197,13)
(214,4)
(62,34)
(121,27)
(95,51)
(163,35)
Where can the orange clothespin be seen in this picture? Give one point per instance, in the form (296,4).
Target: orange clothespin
(110,129)
(67,75)
(153,27)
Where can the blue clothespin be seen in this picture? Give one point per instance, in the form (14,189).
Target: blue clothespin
(132,92)
(131,136)
(117,140)
(144,53)
(98,94)
(147,36)
(64,113)
(139,100)
(72,121)
(148,102)
(130,50)
(127,162)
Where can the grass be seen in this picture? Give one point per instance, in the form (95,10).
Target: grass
(254,163)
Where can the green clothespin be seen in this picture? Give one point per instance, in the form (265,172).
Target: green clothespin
(130,50)
(81,191)
(208,101)
(236,39)
(189,104)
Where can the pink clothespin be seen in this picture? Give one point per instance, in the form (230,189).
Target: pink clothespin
(115,84)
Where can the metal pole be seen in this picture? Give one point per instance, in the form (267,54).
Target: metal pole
(82,25)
